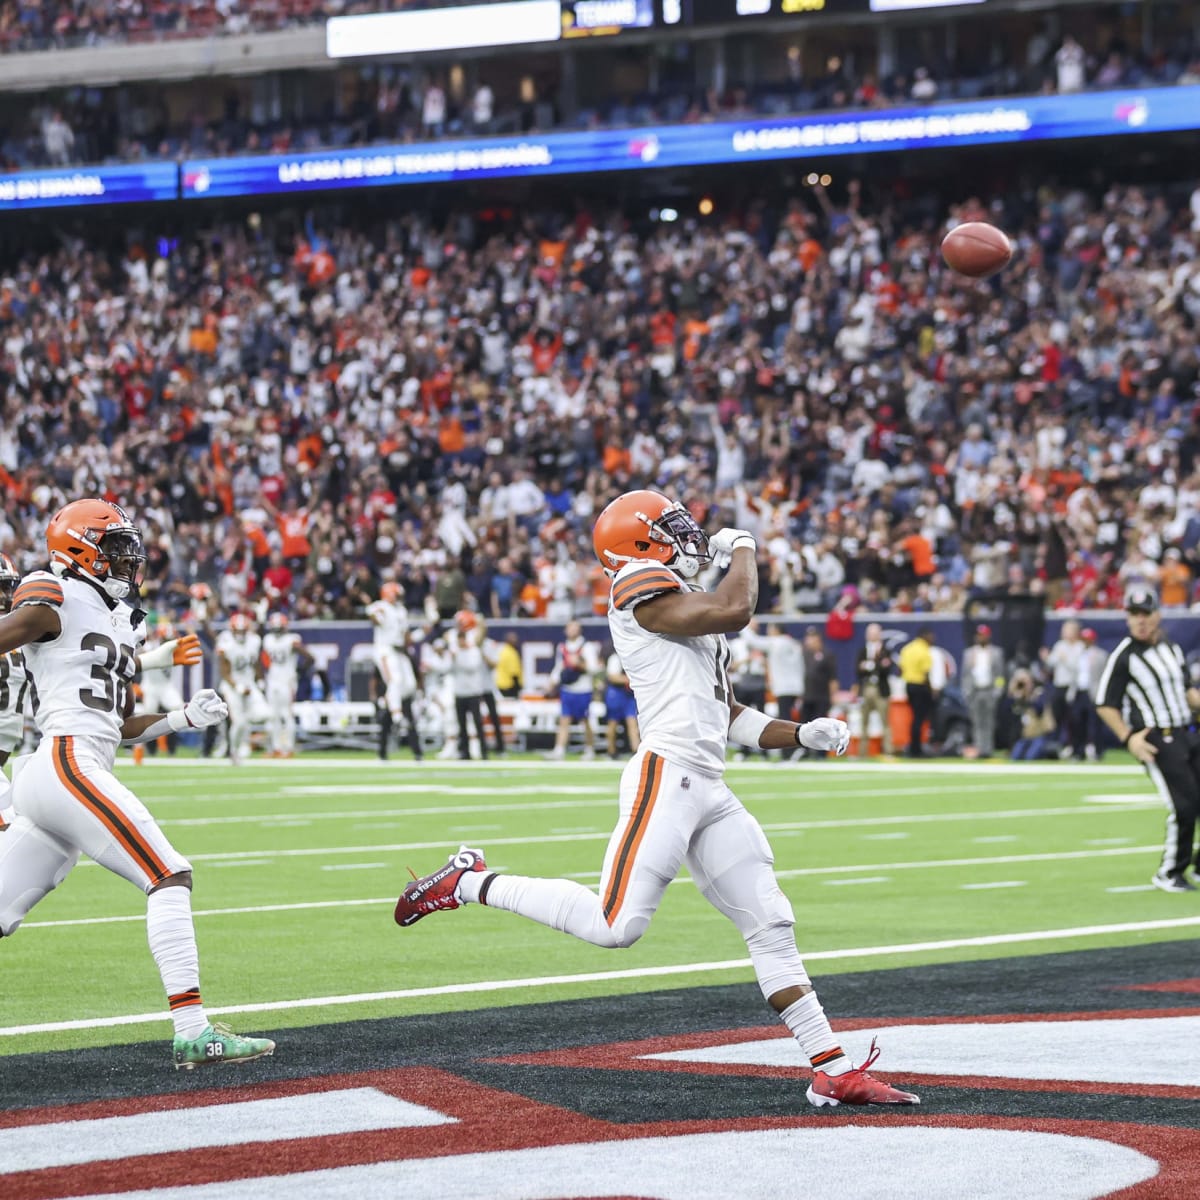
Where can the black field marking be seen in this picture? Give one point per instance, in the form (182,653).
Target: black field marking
(1074,982)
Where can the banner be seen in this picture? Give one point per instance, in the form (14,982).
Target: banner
(334,644)
(89,185)
(819,136)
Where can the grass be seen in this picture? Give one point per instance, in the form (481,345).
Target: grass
(870,858)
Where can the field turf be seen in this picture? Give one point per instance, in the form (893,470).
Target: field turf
(297,865)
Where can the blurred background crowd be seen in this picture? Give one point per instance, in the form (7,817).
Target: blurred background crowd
(297,415)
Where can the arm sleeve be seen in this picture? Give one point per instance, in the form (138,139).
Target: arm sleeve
(38,589)
(1110,692)
(644,583)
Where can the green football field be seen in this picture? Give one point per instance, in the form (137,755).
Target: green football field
(297,865)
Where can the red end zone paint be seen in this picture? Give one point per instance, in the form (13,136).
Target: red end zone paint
(631,1056)
(1185,986)
(497,1121)
(488,1120)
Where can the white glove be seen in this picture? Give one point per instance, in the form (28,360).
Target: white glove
(724,542)
(205,708)
(825,733)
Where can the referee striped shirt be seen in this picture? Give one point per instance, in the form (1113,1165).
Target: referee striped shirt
(1147,683)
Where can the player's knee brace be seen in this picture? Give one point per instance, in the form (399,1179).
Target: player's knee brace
(626,932)
(777,962)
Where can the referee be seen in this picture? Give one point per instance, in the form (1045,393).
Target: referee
(1144,699)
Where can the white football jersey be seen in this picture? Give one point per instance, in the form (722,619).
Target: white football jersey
(283,657)
(81,679)
(681,684)
(391,624)
(14,687)
(242,652)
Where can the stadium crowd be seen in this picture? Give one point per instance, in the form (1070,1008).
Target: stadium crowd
(447,406)
(406,103)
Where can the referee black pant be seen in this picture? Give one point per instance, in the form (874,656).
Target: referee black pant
(920,700)
(1176,775)
(465,706)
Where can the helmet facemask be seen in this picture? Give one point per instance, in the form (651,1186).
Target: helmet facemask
(8,586)
(125,555)
(677,527)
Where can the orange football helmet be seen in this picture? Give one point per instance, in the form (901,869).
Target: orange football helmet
(277,622)
(465,620)
(392,592)
(239,622)
(648,526)
(99,541)
(9,578)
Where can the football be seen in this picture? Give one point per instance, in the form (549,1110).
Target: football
(976,249)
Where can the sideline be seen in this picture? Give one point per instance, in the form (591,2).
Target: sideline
(502,985)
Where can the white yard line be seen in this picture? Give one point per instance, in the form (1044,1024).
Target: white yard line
(548,981)
(796,873)
(407,766)
(335,814)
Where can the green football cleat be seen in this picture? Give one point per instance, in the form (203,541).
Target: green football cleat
(218,1044)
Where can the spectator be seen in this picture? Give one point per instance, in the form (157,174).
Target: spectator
(1031,706)
(1070,61)
(873,671)
(59,140)
(482,108)
(785,675)
(468,671)
(1174,578)
(748,672)
(820,680)
(433,111)
(509,674)
(983,684)
(620,707)
(1063,665)
(924,87)
(576,667)
(1086,728)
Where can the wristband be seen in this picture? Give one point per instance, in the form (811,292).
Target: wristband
(1125,740)
(159,658)
(177,719)
(747,728)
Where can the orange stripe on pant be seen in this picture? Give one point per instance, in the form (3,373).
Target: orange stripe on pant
(635,831)
(94,800)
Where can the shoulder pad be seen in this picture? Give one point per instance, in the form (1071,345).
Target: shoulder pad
(638,581)
(41,587)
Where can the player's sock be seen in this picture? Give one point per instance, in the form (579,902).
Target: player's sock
(810,1027)
(173,944)
(560,904)
(162,744)
(139,753)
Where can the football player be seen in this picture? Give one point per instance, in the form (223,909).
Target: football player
(159,690)
(81,645)
(239,655)
(675,807)
(14,684)
(390,619)
(285,654)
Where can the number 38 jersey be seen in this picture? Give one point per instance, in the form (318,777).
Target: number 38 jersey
(681,683)
(82,677)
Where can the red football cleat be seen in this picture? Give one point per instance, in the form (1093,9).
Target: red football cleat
(856,1087)
(432,893)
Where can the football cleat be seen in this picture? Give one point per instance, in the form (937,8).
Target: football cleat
(856,1087)
(1172,883)
(431,893)
(219,1044)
